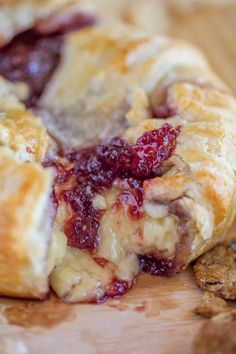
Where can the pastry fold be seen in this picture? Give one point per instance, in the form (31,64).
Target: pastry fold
(17,16)
(199,185)
(25,216)
(25,226)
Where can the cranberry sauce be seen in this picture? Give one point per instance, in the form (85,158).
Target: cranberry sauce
(83,173)
(32,59)
(117,288)
(156,266)
(33,55)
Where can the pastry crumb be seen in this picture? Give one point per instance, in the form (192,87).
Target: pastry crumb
(215,272)
(211,305)
(217,335)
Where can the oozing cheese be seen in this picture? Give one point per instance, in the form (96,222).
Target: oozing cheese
(77,275)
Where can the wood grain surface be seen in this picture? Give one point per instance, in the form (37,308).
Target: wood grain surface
(156,316)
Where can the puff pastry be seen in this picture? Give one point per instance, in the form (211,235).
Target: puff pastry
(24,193)
(153,199)
(19,15)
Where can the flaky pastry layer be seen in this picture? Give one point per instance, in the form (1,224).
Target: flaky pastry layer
(25,220)
(19,15)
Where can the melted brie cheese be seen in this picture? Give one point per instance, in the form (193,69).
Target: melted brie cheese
(78,277)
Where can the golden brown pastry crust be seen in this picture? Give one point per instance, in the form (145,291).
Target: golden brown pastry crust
(24,195)
(19,15)
(119,71)
(25,228)
(147,14)
(22,134)
(204,184)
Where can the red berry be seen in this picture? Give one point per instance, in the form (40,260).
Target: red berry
(94,169)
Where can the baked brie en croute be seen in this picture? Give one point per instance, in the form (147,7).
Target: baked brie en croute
(139,154)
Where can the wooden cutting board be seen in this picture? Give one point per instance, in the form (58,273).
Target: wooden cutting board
(156,316)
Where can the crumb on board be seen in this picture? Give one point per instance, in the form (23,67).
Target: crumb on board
(211,305)
(217,335)
(215,271)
